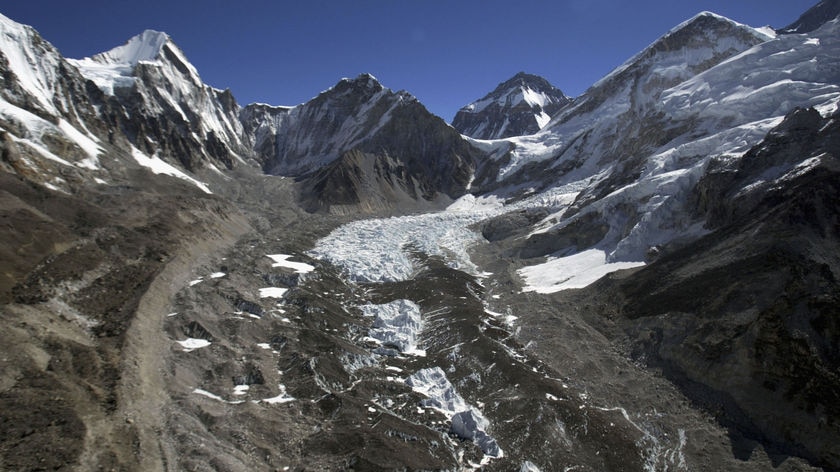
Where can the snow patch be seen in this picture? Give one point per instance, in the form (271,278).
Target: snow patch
(529,466)
(213,396)
(575,271)
(282,260)
(158,166)
(507,319)
(191,344)
(273,292)
(283,397)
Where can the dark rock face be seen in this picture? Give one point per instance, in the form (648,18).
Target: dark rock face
(260,123)
(812,19)
(509,224)
(360,145)
(517,107)
(748,328)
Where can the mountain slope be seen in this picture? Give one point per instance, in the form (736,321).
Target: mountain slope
(743,319)
(631,164)
(521,105)
(362,145)
(724,191)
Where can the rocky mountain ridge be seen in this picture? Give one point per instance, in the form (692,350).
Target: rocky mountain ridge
(147,105)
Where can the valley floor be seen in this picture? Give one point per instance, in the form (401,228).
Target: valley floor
(228,359)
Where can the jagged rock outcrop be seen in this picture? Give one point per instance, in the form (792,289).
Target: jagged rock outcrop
(519,106)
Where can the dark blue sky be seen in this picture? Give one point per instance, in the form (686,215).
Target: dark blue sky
(446,53)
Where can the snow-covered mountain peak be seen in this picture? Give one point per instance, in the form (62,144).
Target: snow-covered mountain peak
(521,105)
(302,138)
(116,68)
(363,83)
(146,46)
(151,66)
(705,19)
(527,89)
(364,78)
(695,43)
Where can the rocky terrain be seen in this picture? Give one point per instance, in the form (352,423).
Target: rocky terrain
(642,278)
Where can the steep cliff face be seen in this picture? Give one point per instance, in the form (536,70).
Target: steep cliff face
(519,106)
(744,320)
(50,130)
(156,98)
(360,131)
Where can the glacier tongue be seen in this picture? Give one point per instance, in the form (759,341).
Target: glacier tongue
(379,250)
(467,421)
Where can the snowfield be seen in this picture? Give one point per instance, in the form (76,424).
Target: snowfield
(575,271)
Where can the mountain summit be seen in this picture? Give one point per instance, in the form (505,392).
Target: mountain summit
(519,106)
(362,144)
(146,46)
